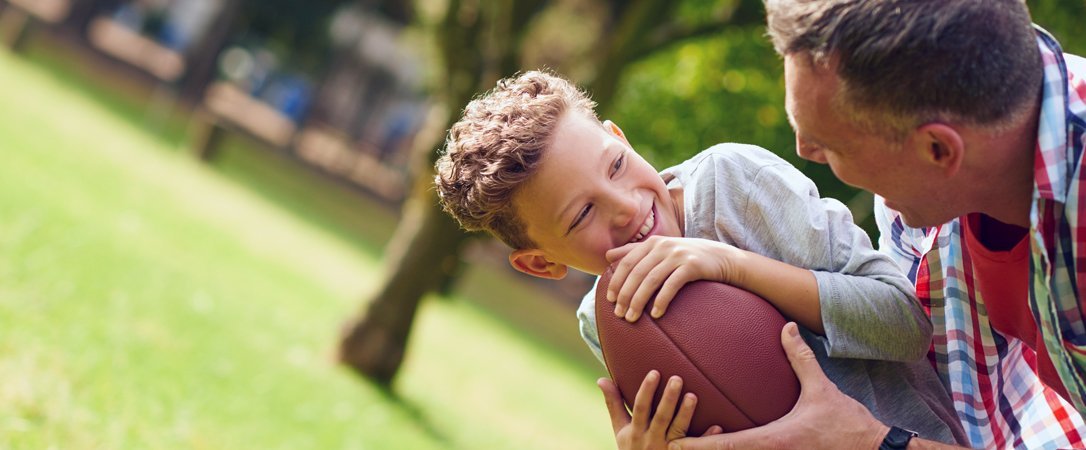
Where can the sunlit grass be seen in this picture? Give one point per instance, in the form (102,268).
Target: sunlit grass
(146,301)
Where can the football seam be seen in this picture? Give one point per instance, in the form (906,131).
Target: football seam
(701,369)
(607,363)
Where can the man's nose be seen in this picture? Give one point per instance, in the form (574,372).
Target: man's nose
(809,151)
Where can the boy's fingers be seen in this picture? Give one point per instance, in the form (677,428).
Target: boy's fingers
(618,253)
(643,400)
(618,275)
(681,424)
(621,262)
(665,410)
(667,292)
(639,278)
(615,407)
(652,281)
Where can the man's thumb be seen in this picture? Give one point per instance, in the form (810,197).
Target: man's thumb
(801,356)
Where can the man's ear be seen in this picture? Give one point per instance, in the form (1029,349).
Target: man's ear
(941,145)
(535,263)
(612,128)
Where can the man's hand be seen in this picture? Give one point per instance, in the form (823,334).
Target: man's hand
(638,432)
(667,264)
(823,418)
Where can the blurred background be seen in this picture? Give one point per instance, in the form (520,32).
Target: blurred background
(217,229)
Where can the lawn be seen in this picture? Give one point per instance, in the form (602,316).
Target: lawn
(149,301)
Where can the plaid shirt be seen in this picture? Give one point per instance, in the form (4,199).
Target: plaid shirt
(992,378)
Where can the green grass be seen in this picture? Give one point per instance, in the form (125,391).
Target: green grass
(147,301)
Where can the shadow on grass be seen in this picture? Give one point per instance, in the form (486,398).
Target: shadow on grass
(341,210)
(412,410)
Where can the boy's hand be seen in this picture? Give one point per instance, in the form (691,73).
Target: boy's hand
(638,432)
(667,264)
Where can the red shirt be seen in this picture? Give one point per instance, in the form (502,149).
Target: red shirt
(1002,277)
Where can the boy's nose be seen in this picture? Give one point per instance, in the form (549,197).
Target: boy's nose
(625,210)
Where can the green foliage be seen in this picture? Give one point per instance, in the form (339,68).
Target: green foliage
(295,30)
(1064,19)
(729,88)
(724,88)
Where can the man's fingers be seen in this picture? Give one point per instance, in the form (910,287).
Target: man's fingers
(713,430)
(802,358)
(714,440)
(615,407)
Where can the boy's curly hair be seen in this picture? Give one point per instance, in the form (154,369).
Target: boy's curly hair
(496,146)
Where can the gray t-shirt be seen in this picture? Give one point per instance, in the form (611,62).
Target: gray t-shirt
(876,331)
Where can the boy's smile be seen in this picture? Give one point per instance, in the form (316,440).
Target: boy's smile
(591,193)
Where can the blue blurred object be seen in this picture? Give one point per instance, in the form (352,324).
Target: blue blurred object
(173,37)
(288,93)
(130,15)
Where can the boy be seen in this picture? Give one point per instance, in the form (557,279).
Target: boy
(532,164)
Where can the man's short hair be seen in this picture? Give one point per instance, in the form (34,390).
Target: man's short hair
(903,63)
(496,146)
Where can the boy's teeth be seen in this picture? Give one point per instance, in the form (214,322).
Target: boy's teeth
(645,227)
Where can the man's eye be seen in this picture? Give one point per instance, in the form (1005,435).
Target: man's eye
(580,217)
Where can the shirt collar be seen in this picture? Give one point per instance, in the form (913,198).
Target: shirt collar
(1050,161)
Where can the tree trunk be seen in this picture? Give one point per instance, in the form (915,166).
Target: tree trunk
(424,253)
(421,257)
(202,61)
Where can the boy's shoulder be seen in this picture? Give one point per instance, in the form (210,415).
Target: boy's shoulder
(737,159)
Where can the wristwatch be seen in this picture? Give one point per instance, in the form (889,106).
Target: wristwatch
(897,439)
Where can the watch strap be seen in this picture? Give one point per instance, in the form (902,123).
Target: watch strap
(897,439)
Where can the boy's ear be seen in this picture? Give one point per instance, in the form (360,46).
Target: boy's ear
(612,128)
(533,262)
(940,145)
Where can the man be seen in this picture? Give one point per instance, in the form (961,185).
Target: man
(970,125)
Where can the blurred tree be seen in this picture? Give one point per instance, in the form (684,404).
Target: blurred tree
(478,43)
(728,87)
(718,80)
(293,28)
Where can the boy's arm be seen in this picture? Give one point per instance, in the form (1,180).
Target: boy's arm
(868,307)
(800,252)
(663,265)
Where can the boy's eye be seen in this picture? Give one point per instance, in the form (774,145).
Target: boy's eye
(580,217)
(618,163)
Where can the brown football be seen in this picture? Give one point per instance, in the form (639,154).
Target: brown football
(723,341)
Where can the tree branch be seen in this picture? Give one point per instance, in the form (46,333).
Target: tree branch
(745,13)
